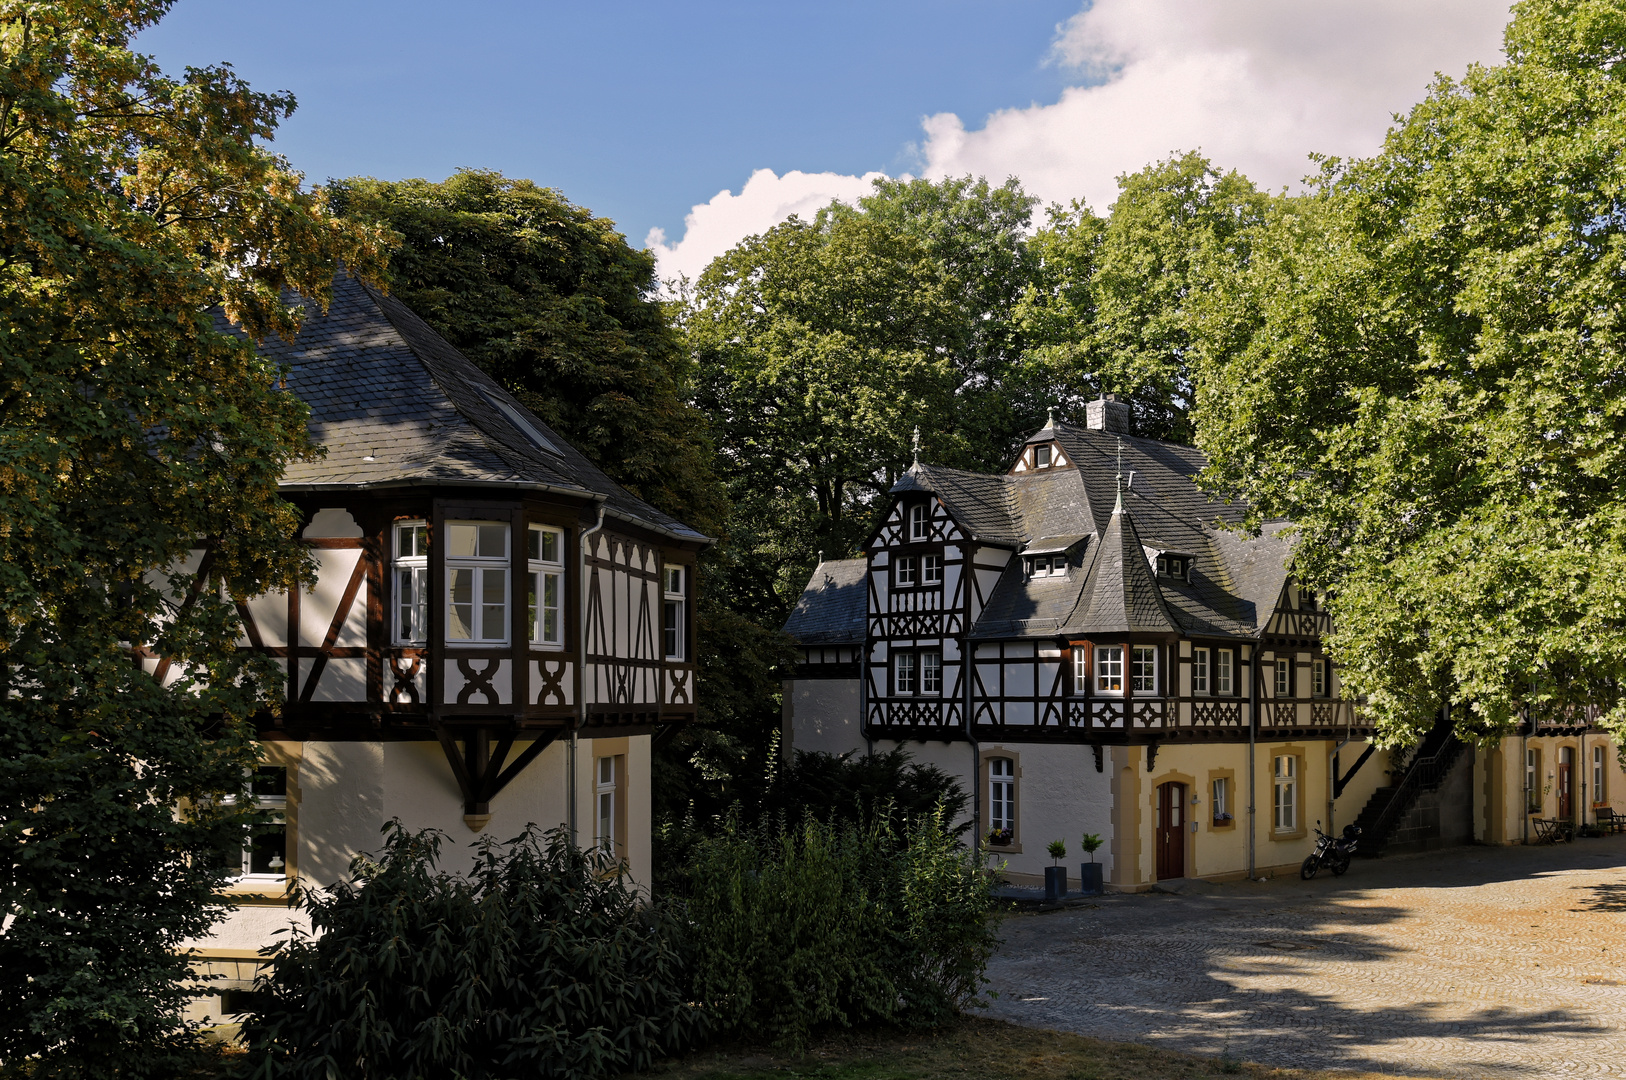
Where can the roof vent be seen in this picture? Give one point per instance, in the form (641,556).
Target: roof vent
(524,423)
(1107,413)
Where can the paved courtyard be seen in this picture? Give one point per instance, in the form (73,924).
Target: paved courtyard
(1468,962)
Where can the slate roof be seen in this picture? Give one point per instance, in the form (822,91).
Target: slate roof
(832,607)
(396,405)
(1111,586)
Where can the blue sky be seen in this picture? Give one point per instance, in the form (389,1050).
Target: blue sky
(637,110)
(693,125)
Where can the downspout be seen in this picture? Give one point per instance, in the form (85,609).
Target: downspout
(1253,728)
(1524,771)
(581,676)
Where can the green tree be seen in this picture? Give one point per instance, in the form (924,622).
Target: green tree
(135,429)
(1423,367)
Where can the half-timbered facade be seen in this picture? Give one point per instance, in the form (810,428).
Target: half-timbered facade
(496,635)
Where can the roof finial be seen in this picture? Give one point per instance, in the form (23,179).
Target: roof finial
(821,556)
(1119,508)
(916,442)
(1050,416)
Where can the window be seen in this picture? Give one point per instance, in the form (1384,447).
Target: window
(904,572)
(1081,669)
(931,673)
(546,565)
(476,581)
(266,855)
(605,790)
(1284,677)
(1109,669)
(1002,799)
(919,524)
(1597,774)
(1047,566)
(1172,566)
(1306,599)
(1318,678)
(1041,457)
(905,680)
(1199,671)
(1143,669)
(1223,666)
(931,569)
(1286,793)
(1532,781)
(672,615)
(411,583)
(1221,802)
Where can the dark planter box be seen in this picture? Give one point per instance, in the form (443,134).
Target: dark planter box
(1089,879)
(1055,884)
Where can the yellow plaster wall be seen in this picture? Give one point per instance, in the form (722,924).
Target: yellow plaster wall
(1500,796)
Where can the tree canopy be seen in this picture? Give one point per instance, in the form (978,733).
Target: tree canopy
(1423,367)
(134,431)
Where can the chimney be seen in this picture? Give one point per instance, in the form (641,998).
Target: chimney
(1108,414)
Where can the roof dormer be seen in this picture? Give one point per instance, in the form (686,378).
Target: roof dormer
(1169,564)
(1042,452)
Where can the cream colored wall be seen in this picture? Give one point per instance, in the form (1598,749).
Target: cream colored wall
(822,715)
(635,804)
(1499,796)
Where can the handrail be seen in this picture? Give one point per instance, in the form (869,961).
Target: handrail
(1422,772)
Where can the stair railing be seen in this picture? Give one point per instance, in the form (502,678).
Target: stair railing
(1423,773)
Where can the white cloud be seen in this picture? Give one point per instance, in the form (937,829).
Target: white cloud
(713,227)
(1256,85)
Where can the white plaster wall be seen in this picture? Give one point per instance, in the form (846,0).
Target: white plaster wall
(1060,796)
(341,806)
(823,715)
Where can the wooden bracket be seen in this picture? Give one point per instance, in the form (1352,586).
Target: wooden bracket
(1340,782)
(1100,763)
(1151,755)
(478,766)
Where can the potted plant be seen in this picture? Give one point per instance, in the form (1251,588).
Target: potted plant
(1089,874)
(1000,837)
(1055,875)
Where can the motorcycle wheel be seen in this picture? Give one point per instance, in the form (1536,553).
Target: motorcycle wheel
(1311,865)
(1339,865)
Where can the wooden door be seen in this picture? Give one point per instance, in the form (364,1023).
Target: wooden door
(1171,830)
(1566,767)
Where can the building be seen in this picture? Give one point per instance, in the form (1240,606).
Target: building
(497,634)
(1084,644)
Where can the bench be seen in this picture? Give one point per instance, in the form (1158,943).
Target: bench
(1609,820)
(1553,830)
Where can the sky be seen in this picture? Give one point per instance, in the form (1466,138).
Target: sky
(694,125)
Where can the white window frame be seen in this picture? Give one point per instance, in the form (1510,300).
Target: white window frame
(931,569)
(1532,781)
(1081,669)
(1318,677)
(1002,795)
(1199,671)
(1109,669)
(277,804)
(1224,672)
(920,522)
(478,567)
(674,611)
(1599,773)
(541,570)
(1284,788)
(905,673)
(1143,668)
(604,810)
(903,572)
(931,673)
(411,583)
(1044,463)
(1220,796)
(1284,676)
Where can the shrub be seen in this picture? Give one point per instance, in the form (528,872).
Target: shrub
(542,962)
(820,923)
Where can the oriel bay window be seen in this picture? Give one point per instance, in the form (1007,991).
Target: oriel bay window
(674,581)
(546,566)
(1199,671)
(476,582)
(411,583)
(1109,669)
(1143,669)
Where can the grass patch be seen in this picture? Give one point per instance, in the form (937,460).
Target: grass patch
(972,1049)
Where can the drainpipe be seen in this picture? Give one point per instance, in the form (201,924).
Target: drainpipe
(966,651)
(1253,727)
(581,676)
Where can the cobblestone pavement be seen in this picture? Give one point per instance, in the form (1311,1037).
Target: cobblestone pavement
(1467,962)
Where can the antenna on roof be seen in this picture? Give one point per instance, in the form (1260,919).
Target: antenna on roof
(1118,509)
(916,442)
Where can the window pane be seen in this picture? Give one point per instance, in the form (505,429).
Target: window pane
(1199,671)
(267,850)
(461,540)
(460,613)
(269,781)
(494,604)
(406,595)
(931,673)
(606,770)
(493,541)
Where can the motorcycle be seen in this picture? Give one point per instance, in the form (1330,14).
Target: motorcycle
(1332,852)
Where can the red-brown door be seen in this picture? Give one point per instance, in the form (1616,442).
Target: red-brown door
(1171,830)
(1566,766)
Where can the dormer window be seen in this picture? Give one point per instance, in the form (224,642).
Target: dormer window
(1041,456)
(919,523)
(1174,566)
(1047,566)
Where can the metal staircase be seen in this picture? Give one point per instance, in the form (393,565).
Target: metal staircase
(1388,806)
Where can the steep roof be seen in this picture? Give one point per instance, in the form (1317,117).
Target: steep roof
(1122,594)
(983,504)
(831,609)
(396,405)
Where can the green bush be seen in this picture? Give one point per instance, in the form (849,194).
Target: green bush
(798,927)
(543,962)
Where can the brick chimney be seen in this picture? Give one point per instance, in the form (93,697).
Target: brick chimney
(1107,413)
